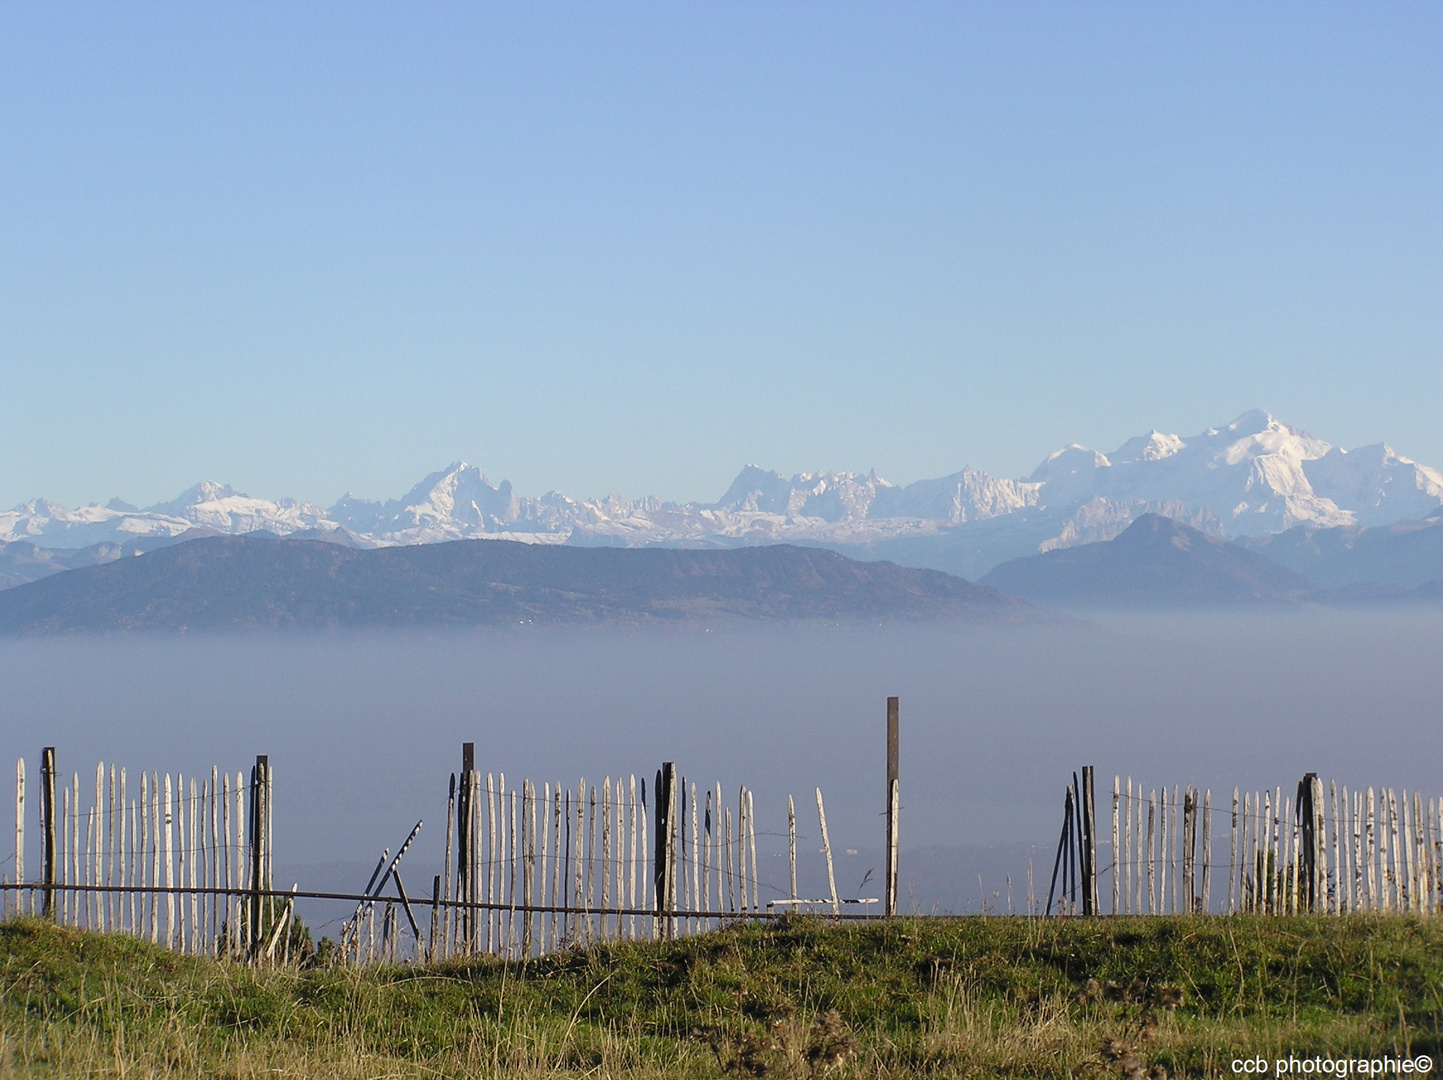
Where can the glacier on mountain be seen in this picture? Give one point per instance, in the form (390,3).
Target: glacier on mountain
(1256,475)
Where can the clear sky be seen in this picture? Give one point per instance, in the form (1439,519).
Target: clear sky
(308,248)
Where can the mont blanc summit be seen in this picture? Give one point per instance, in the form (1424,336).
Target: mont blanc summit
(1252,477)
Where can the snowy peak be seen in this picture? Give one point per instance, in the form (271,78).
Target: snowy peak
(1154,446)
(841,498)
(1070,474)
(1378,485)
(1249,475)
(441,507)
(753,489)
(207,491)
(1254,476)
(825,496)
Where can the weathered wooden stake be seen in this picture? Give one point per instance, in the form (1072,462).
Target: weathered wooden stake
(20,832)
(1057,861)
(1306,884)
(47,831)
(97,853)
(730,856)
(578,894)
(792,847)
(1089,843)
(664,867)
(1116,836)
(465,870)
(559,853)
(752,841)
(698,883)
(827,851)
(1207,851)
(892,794)
(1151,853)
(259,837)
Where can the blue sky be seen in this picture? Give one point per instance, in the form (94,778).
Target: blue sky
(312,248)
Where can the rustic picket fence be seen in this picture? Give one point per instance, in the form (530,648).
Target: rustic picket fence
(186,862)
(1321,849)
(535,868)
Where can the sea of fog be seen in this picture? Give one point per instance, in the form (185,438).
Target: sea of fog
(363,731)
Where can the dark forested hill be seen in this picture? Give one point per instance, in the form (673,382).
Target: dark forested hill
(1155,563)
(246,582)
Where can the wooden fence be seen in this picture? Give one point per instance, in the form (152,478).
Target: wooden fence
(187,863)
(1320,848)
(535,868)
(529,869)
(182,861)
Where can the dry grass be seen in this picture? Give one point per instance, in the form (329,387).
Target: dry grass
(978,998)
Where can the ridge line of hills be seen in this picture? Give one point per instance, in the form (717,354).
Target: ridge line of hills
(248,582)
(265,581)
(1161,563)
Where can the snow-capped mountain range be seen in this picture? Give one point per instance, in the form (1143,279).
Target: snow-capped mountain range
(1254,476)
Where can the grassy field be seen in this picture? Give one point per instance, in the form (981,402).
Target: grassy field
(910,998)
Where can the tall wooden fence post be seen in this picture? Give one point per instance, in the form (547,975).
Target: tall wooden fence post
(19,835)
(47,830)
(1088,848)
(465,869)
(664,864)
(260,830)
(893,805)
(1305,887)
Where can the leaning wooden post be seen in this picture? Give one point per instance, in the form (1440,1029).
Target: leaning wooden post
(664,864)
(889,884)
(1061,849)
(47,830)
(827,851)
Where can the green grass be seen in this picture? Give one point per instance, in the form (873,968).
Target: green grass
(977,997)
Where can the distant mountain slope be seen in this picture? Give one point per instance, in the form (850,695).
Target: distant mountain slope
(22,561)
(1407,554)
(242,582)
(1155,563)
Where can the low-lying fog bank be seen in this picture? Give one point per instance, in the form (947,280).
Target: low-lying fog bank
(363,730)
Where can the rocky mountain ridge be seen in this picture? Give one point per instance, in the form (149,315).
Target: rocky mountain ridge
(1255,476)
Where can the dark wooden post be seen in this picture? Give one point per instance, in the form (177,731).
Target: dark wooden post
(893,805)
(260,844)
(1308,869)
(465,872)
(1058,864)
(1088,854)
(664,864)
(432,954)
(47,828)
